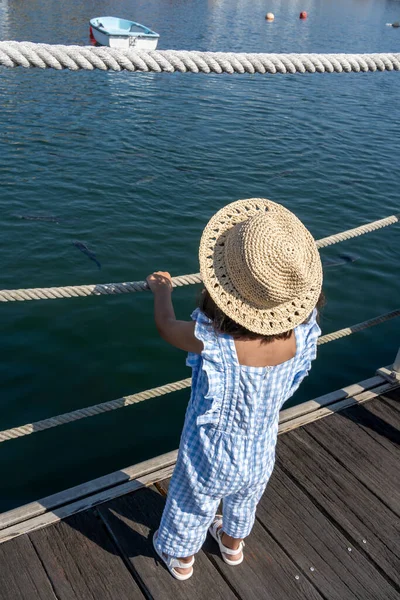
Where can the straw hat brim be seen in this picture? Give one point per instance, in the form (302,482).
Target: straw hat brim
(218,283)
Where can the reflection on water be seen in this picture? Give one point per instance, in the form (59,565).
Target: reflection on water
(4,20)
(220,25)
(133,166)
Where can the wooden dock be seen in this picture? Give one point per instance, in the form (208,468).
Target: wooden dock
(327,527)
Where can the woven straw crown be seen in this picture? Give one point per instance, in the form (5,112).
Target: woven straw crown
(260,265)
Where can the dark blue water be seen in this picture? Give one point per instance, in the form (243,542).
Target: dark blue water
(133,166)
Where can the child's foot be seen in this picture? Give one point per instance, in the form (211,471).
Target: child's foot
(180,568)
(231,549)
(232,544)
(186,561)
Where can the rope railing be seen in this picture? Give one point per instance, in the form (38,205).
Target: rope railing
(97,409)
(48,56)
(28,55)
(129,287)
(336,335)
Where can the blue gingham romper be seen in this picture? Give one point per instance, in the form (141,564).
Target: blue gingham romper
(227,448)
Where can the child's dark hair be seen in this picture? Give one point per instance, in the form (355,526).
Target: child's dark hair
(224,324)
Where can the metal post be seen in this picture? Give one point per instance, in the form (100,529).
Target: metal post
(396,364)
(392,372)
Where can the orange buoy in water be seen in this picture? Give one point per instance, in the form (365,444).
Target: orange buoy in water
(303,15)
(270,16)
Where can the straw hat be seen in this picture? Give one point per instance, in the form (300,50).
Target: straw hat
(260,265)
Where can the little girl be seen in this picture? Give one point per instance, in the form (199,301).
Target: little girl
(250,344)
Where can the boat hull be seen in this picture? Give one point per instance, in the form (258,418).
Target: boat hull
(109,34)
(122,41)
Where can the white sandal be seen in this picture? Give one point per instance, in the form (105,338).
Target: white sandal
(215,529)
(171,563)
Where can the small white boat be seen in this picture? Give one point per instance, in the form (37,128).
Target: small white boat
(120,33)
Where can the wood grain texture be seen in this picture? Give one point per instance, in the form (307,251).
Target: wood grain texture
(163,486)
(267,573)
(393,398)
(336,486)
(33,509)
(132,520)
(380,421)
(358,452)
(287,414)
(264,574)
(83,504)
(333,408)
(82,562)
(344,498)
(22,576)
(317,546)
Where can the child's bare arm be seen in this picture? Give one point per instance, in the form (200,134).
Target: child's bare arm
(177,333)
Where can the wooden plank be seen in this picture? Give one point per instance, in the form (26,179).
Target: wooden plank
(66,511)
(341,496)
(333,408)
(375,466)
(22,576)
(392,398)
(293,412)
(394,394)
(82,561)
(379,420)
(33,509)
(319,548)
(394,404)
(162,486)
(266,573)
(132,520)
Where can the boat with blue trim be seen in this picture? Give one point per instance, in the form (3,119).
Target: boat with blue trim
(121,33)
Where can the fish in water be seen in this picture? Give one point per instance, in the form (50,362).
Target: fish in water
(282,174)
(46,218)
(341,259)
(83,248)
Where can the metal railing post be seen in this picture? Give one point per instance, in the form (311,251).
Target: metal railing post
(392,372)
(396,364)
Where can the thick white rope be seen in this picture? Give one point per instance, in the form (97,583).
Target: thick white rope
(330,337)
(141,286)
(90,411)
(351,233)
(45,56)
